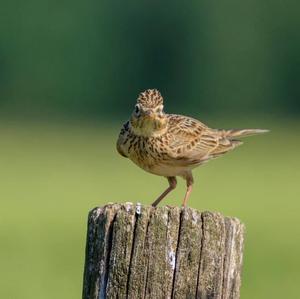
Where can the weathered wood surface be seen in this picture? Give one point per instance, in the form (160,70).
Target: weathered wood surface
(136,251)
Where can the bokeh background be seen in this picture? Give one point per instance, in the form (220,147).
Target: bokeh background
(70,72)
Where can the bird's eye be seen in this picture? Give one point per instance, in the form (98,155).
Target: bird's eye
(137,109)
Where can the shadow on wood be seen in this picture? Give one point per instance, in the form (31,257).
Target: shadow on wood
(136,251)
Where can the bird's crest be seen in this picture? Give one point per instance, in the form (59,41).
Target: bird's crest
(150,98)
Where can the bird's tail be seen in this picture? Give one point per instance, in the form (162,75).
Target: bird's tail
(242,133)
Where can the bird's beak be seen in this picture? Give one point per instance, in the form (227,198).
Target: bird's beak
(149,115)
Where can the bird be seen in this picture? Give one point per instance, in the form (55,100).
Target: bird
(171,145)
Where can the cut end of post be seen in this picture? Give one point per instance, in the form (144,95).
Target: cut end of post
(138,251)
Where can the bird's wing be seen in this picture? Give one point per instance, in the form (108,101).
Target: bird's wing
(192,142)
(122,139)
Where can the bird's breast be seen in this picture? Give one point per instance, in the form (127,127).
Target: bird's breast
(151,154)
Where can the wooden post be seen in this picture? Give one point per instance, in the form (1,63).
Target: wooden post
(136,251)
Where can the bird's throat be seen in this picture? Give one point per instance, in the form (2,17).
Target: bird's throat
(148,127)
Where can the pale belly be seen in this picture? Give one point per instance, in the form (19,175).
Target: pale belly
(160,168)
(167,171)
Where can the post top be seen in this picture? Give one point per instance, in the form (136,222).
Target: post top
(138,207)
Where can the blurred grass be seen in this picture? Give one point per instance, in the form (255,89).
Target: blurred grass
(53,174)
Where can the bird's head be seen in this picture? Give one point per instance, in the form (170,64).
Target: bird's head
(148,118)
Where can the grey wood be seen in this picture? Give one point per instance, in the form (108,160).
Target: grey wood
(210,279)
(137,251)
(188,255)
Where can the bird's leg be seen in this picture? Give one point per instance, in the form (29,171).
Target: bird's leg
(189,185)
(172,185)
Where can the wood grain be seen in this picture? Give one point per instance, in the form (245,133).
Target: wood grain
(137,251)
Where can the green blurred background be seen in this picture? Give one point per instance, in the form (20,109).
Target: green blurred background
(70,73)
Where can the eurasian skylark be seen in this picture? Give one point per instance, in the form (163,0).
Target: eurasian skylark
(172,145)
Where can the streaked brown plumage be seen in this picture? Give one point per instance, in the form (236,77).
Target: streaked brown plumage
(172,145)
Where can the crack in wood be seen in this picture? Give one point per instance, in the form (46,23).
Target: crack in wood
(139,252)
